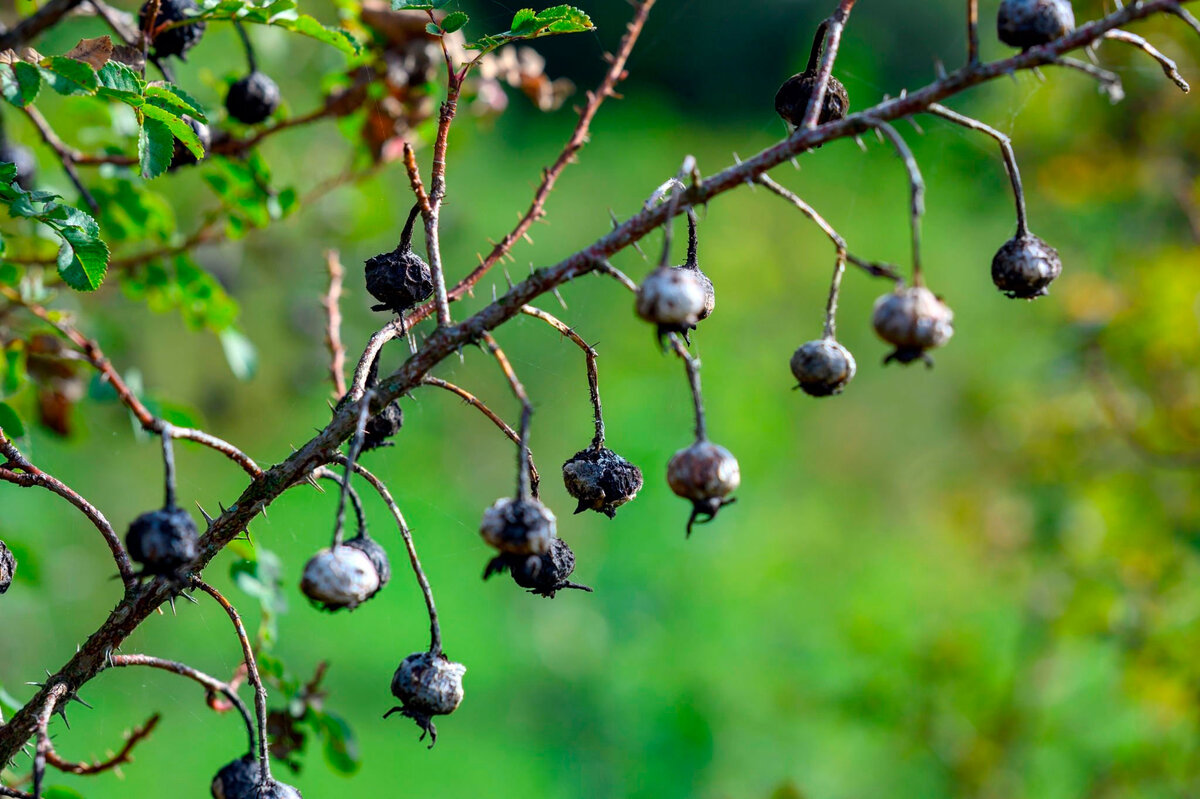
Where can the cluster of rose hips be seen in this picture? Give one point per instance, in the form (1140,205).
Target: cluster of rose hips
(912,318)
(250,100)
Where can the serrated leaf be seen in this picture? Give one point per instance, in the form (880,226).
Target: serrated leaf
(179,129)
(166,97)
(119,82)
(156,148)
(522,17)
(433,29)
(20,83)
(82,258)
(68,76)
(93,52)
(454,21)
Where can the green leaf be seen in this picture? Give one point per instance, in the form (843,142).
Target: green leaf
(179,129)
(433,29)
(341,747)
(529,25)
(156,148)
(10,423)
(119,82)
(522,18)
(240,354)
(454,21)
(82,256)
(411,5)
(20,83)
(169,99)
(68,76)
(58,792)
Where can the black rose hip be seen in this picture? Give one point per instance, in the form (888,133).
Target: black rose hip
(1025,266)
(1029,23)
(601,480)
(823,367)
(253,98)
(175,41)
(242,779)
(427,685)
(399,279)
(544,575)
(164,542)
(793,97)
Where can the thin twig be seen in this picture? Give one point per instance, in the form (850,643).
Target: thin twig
(1110,82)
(429,380)
(18,470)
(414,176)
(870,267)
(123,756)
(589,354)
(1169,67)
(972,32)
(518,389)
(331,301)
(212,685)
(260,691)
(692,365)
(356,444)
(916,193)
(1006,149)
(833,37)
(435,630)
(388,332)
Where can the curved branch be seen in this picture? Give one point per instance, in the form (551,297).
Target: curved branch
(518,389)
(429,380)
(33,476)
(125,755)
(589,354)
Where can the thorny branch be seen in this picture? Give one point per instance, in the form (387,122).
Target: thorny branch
(833,37)
(446,340)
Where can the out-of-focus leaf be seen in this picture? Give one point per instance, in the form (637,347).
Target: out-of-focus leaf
(454,21)
(340,745)
(93,52)
(68,76)
(240,354)
(10,423)
(20,83)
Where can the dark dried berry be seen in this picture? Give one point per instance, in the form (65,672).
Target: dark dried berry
(383,426)
(791,101)
(823,367)
(427,685)
(242,779)
(399,279)
(913,320)
(519,526)
(601,480)
(183,156)
(543,575)
(23,159)
(1029,23)
(8,567)
(176,41)
(1025,266)
(342,577)
(378,556)
(706,474)
(253,98)
(163,541)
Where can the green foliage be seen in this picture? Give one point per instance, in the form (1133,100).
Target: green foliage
(82,255)
(281,14)
(528,24)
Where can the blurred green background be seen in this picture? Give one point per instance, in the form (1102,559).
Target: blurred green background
(975,581)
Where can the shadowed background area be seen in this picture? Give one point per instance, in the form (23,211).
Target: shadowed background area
(975,581)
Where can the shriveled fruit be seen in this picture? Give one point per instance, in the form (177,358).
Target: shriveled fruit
(8,567)
(601,480)
(427,685)
(164,542)
(1029,23)
(913,320)
(823,367)
(1025,266)
(399,279)
(242,779)
(706,474)
(519,526)
(377,555)
(340,577)
(544,575)
(253,98)
(174,41)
